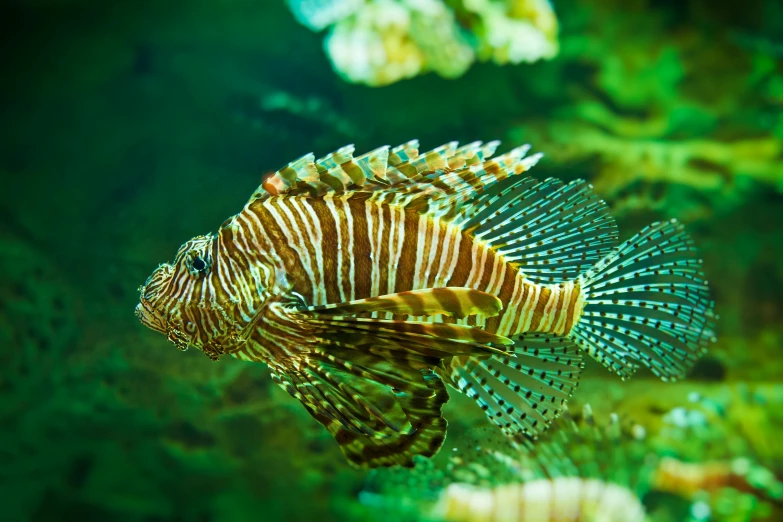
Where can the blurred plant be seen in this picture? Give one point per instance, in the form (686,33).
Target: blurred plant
(664,111)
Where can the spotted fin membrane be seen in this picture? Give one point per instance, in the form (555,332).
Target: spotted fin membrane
(551,231)
(522,394)
(647,302)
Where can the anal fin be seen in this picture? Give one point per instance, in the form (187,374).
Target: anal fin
(522,395)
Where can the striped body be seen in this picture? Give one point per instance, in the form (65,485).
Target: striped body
(342,248)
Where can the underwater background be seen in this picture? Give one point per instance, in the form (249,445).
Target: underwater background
(129,127)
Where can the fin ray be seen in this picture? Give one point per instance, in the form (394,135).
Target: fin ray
(648,302)
(375,422)
(402,174)
(427,338)
(552,232)
(523,394)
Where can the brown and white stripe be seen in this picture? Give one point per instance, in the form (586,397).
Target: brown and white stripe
(337,249)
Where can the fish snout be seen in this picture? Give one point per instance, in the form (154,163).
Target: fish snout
(149,317)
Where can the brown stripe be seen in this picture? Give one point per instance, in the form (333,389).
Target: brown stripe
(488,264)
(345,272)
(361,249)
(515,324)
(572,308)
(464,262)
(328,248)
(406,266)
(385,215)
(558,309)
(505,294)
(303,229)
(291,259)
(538,312)
(230,240)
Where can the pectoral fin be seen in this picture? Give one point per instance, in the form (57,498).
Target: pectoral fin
(382,411)
(437,340)
(450,301)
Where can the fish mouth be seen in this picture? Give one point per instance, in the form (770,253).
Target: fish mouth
(156,283)
(149,317)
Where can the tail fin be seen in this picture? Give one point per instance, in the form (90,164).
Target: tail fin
(647,302)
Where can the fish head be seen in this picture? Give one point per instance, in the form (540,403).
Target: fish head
(180,299)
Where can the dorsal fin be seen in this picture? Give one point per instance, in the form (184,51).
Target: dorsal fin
(448,192)
(367,169)
(339,172)
(440,181)
(550,230)
(404,152)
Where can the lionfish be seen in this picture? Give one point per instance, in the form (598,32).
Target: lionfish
(365,283)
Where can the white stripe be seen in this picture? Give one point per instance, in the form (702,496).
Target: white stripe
(316,238)
(394,240)
(550,313)
(440,279)
(421,232)
(454,256)
(527,309)
(478,264)
(510,313)
(563,312)
(351,258)
(295,240)
(330,204)
(434,246)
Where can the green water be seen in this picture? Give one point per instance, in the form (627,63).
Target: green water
(129,127)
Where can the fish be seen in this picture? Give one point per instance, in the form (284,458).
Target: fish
(367,283)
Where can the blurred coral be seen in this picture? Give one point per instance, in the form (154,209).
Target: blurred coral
(514,31)
(686,112)
(375,45)
(585,467)
(379,42)
(707,165)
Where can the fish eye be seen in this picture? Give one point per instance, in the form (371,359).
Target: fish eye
(199,265)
